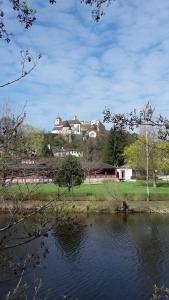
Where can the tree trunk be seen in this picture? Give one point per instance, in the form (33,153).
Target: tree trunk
(154,180)
(147,167)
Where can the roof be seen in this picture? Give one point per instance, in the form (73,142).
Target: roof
(76,121)
(57,127)
(65,124)
(124,167)
(103,166)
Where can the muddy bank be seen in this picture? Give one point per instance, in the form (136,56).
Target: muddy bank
(87,206)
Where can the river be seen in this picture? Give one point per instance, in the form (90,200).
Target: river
(106,257)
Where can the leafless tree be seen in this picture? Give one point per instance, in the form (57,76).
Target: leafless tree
(27,16)
(12,152)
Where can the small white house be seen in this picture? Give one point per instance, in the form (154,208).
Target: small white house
(124,173)
(92,134)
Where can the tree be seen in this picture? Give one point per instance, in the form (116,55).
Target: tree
(145,118)
(28,64)
(93,148)
(116,141)
(27,15)
(15,230)
(164,147)
(97,11)
(70,173)
(135,155)
(12,150)
(32,139)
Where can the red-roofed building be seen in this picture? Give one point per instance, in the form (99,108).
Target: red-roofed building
(67,127)
(76,127)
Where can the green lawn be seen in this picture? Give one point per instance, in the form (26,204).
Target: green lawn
(101,191)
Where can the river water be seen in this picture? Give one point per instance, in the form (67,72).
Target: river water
(106,257)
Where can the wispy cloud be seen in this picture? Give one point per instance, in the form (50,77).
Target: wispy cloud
(121,62)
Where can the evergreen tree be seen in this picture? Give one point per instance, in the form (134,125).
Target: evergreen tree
(70,173)
(117,140)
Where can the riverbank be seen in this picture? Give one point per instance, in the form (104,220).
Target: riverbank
(103,197)
(100,191)
(87,206)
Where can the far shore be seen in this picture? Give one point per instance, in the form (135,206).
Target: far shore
(95,198)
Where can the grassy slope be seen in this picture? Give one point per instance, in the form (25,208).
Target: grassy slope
(102,191)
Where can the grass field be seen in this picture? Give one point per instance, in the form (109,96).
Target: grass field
(102,191)
(102,197)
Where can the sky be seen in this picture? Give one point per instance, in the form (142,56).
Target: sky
(121,63)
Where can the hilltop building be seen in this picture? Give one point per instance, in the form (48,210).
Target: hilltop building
(76,127)
(67,127)
(63,153)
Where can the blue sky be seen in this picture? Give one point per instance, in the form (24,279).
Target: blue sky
(120,62)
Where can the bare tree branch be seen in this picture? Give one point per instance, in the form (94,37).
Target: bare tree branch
(135,119)
(26,58)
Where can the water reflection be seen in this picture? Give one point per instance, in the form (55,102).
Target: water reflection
(150,235)
(69,234)
(103,257)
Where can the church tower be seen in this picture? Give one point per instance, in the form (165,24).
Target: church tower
(58,121)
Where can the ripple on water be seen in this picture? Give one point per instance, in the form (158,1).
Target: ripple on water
(112,259)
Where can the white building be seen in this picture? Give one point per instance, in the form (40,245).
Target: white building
(76,127)
(67,127)
(124,173)
(63,153)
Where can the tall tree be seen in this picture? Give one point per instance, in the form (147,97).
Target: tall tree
(117,140)
(158,156)
(135,155)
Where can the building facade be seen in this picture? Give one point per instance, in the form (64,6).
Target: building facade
(76,127)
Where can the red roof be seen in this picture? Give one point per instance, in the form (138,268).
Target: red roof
(60,127)
(74,122)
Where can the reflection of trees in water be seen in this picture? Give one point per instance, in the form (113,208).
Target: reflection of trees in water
(69,233)
(118,226)
(16,243)
(143,236)
(147,237)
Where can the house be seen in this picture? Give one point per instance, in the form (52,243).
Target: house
(92,134)
(91,128)
(101,172)
(124,173)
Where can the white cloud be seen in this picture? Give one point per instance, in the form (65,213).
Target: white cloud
(121,62)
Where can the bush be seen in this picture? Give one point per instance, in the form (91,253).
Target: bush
(140,177)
